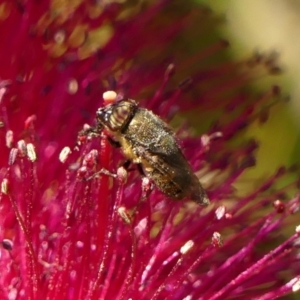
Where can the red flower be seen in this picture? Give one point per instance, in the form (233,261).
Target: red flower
(69,234)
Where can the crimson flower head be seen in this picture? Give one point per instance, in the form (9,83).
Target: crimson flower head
(76,220)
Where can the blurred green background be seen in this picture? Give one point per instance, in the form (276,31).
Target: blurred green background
(268,26)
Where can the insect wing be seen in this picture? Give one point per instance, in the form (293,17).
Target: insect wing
(173,175)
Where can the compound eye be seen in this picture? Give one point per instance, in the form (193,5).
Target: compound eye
(117,115)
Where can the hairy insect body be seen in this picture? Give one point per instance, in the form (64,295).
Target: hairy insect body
(146,140)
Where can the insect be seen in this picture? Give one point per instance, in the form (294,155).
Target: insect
(148,141)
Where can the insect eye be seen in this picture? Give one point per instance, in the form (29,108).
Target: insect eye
(116,116)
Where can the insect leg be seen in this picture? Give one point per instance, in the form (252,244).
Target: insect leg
(126,165)
(91,131)
(140,169)
(147,183)
(88,133)
(102,171)
(114,143)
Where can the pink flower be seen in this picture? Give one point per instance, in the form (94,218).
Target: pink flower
(68,233)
